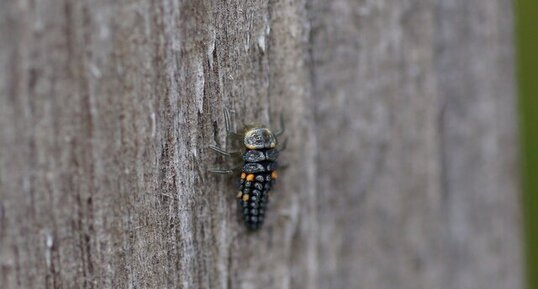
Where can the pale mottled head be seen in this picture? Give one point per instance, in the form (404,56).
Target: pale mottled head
(259,138)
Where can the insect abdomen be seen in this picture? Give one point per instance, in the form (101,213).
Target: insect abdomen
(257,178)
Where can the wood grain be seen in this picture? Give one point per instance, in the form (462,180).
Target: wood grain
(402,146)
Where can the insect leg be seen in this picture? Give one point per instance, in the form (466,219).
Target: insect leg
(221,171)
(226,171)
(229,126)
(282,126)
(234,155)
(228,121)
(284,145)
(221,151)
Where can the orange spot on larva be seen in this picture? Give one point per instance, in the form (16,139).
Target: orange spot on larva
(245,197)
(250,177)
(274,175)
(243,175)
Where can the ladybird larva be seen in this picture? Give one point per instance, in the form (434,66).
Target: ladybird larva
(257,172)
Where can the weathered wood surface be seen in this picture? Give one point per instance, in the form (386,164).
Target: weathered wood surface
(402,145)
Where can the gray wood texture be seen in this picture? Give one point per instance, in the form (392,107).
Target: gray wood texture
(402,146)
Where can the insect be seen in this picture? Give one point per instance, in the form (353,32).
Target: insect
(258,170)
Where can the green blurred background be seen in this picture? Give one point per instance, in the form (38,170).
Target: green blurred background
(527,59)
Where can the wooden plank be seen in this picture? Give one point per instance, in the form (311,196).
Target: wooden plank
(402,147)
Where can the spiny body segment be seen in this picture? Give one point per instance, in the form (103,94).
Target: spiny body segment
(257,171)
(257,176)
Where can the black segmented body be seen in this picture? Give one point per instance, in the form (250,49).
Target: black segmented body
(258,172)
(257,177)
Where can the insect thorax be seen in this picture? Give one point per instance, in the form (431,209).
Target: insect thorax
(259,138)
